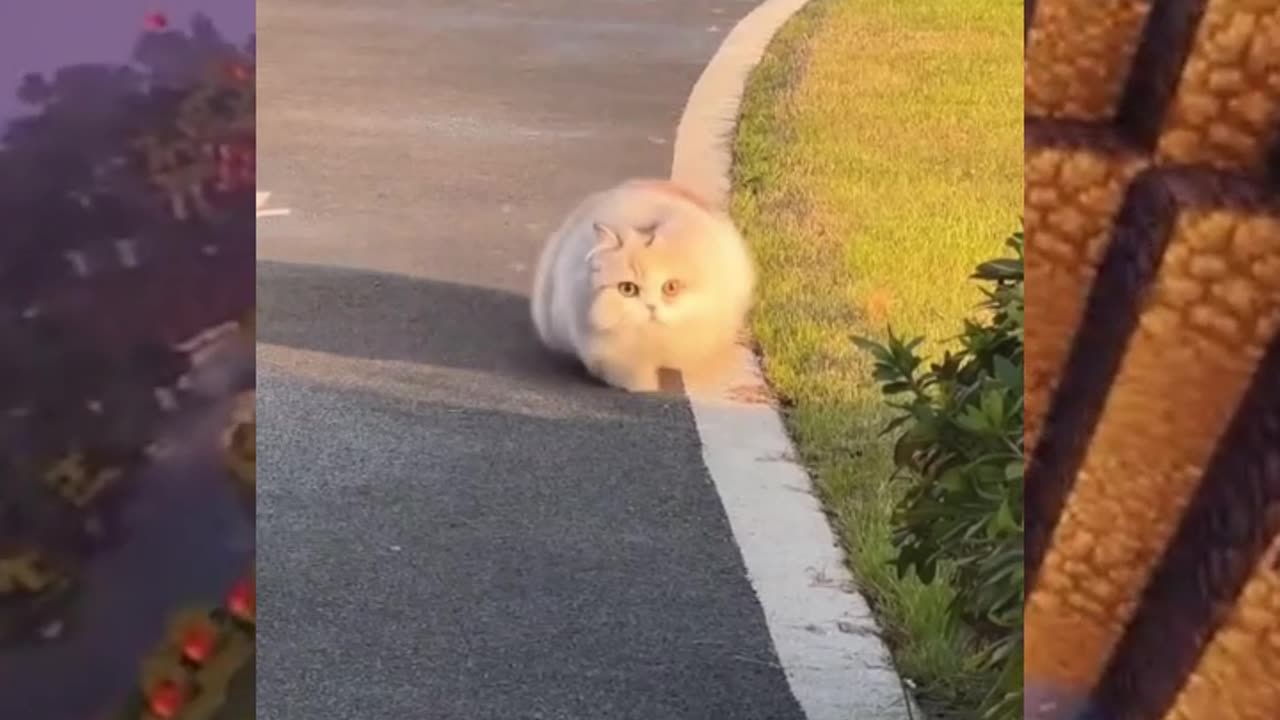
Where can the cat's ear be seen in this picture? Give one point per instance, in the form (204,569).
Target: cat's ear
(650,233)
(606,239)
(606,236)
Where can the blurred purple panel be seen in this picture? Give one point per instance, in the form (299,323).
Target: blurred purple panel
(43,35)
(179,535)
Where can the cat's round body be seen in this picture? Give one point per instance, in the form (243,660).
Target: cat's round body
(642,277)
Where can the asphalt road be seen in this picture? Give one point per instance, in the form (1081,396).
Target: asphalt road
(451,524)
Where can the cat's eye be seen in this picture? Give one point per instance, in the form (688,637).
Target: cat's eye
(671,287)
(628,289)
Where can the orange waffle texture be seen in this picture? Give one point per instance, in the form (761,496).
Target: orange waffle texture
(1150,124)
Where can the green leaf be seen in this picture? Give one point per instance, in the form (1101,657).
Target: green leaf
(993,408)
(1009,374)
(866,343)
(1004,269)
(895,423)
(973,420)
(959,464)
(896,388)
(1004,519)
(885,373)
(926,571)
(878,351)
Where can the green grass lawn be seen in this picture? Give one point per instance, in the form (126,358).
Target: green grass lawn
(878,161)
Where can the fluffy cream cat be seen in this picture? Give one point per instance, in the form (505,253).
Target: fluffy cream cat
(643,277)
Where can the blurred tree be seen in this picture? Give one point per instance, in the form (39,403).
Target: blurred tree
(126,228)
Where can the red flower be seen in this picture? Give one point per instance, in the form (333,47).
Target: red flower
(241,601)
(237,72)
(166,699)
(198,642)
(156,21)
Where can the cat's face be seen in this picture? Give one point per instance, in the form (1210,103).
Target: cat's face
(642,279)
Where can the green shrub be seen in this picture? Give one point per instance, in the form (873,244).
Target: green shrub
(959,447)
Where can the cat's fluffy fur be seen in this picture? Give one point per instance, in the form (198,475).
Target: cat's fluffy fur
(643,277)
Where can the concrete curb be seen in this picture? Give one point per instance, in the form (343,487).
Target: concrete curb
(824,633)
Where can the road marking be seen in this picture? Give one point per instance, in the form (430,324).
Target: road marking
(269,212)
(825,636)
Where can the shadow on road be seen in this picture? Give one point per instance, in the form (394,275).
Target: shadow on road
(489,564)
(379,316)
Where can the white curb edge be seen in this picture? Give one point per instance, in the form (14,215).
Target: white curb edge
(825,636)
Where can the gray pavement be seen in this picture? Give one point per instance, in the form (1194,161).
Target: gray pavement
(452,524)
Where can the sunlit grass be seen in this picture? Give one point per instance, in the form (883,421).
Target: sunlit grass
(879,159)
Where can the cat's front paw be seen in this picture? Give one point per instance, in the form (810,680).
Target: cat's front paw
(626,378)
